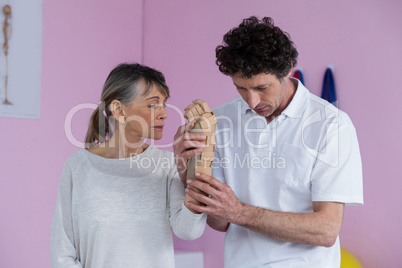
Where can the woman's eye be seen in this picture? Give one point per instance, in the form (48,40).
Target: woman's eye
(156,105)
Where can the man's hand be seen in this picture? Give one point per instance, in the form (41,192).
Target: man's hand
(219,200)
(186,145)
(320,227)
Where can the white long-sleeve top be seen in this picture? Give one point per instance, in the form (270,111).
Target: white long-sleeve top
(120,212)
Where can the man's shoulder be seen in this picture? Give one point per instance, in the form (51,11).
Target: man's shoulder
(229,107)
(327,110)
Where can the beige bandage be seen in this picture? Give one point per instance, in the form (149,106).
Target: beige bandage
(204,121)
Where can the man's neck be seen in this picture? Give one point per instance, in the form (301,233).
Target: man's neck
(290,88)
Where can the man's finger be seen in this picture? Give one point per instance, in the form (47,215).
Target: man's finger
(210,180)
(199,196)
(198,208)
(204,187)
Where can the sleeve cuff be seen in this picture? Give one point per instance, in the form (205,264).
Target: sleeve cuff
(347,200)
(190,214)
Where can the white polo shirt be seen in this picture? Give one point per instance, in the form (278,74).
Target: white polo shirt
(308,153)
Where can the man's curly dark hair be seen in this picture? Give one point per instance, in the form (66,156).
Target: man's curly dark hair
(256,47)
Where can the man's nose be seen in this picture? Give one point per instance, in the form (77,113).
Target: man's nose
(253,99)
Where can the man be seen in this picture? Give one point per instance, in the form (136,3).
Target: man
(286,161)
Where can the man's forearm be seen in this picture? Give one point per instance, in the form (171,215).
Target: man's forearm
(317,228)
(217,224)
(320,227)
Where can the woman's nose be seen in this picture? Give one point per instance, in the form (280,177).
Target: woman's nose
(163,114)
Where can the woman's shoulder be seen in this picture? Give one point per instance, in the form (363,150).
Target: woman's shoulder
(74,162)
(161,158)
(77,157)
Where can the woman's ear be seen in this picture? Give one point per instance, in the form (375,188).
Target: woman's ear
(116,107)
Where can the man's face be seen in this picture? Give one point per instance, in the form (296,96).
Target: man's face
(264,93)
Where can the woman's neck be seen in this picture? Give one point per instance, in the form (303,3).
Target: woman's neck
(118,147)
(123,147)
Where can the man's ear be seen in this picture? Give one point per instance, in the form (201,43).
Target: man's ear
(116,107)
(290,72)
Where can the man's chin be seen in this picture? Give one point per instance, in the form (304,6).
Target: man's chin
(264,113)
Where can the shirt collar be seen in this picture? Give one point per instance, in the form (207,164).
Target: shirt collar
(298,103)
(245,108)
(296,106)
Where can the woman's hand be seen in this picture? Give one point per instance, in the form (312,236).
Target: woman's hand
(185,146)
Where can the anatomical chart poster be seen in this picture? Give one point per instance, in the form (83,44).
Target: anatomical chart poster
(20,58)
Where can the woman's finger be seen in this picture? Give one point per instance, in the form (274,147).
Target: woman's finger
(183,129)
(194,136)
(190,144)
(190,153)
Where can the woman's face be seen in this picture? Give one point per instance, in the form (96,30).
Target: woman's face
(145,116)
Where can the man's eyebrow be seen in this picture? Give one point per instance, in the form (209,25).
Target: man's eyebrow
(259,86)
(263,85)
(237,85)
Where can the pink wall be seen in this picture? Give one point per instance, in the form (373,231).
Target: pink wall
(362,39)
(83,40)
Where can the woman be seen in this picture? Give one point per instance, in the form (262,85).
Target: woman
(119,198)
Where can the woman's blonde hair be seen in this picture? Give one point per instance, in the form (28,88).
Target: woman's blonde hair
(122,84)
